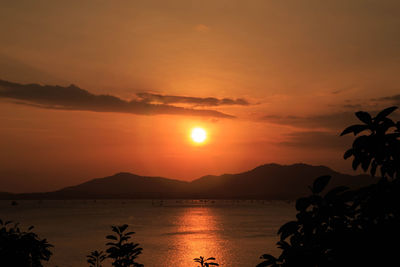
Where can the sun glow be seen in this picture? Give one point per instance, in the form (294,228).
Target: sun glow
(198,135)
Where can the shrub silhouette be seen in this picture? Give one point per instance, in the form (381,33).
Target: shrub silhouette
(122,252)
(95,258)
(350,227)
(20,248)
(381,148)
(205,262)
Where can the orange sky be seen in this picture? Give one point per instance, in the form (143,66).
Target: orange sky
(301,68)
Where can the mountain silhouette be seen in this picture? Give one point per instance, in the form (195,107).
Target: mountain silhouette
(272,181)
(128,185)
(269,181)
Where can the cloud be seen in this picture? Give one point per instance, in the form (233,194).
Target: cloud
(196,101)
(394,99)
(336,121)
(333,121)
(317,140)
(74,98)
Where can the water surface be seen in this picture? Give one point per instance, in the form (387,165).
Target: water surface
(171,232)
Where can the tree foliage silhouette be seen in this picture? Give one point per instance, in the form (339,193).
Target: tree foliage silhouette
(346,227)
(122,252)
(205,262)
(20,248)
(380,148)
(95,258)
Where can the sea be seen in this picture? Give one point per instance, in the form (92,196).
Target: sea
(171,232)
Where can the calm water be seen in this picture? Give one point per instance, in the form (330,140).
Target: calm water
(236,233)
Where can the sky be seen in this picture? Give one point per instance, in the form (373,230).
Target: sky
(92,88)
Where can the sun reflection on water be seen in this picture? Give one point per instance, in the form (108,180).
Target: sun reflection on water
(198,235)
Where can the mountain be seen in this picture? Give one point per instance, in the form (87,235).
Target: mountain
(270,181)
(127,185)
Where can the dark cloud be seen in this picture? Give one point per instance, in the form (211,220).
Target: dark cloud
(197,101)
(394,99)
(74,98)
(337,121)
(353,106)
(332,121)
(318,140)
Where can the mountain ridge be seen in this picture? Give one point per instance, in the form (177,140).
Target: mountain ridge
(267,181)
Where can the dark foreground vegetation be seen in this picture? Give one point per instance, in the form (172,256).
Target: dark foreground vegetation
(346,227)
(341,227)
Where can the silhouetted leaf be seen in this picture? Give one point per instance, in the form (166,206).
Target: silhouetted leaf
(381,115)
(355,163)
(130,233)
(111,237)
(115,229)
(348,153)
(267,257)
(288,229)
(320,183)
(283,245)
(364,117)
(356,129)
(269,260)
(123,227)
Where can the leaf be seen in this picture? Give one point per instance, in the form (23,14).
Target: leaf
(356,129)
(269,260)
(111,237)
(283,245)
(364,117)
(210,259)
(130,233)
(348,153)
(384,113)
(320,183)
(115,229)
(267,257)
(123,227)
(288,229)
(355,163)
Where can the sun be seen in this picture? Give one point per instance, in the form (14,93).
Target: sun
(199,135)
